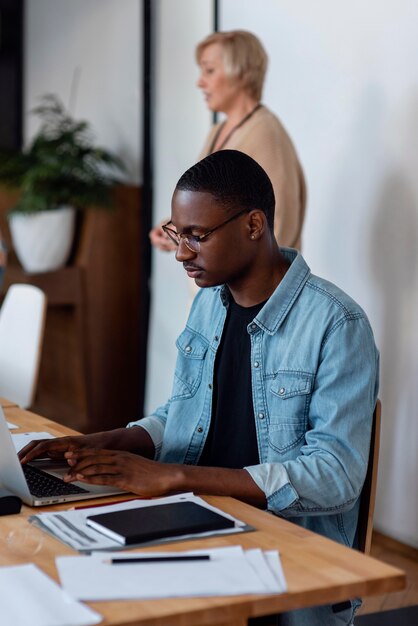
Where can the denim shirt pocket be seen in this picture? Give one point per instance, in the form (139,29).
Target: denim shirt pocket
(192,349)
(289,399)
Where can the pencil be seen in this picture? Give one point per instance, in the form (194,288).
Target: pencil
(160,559)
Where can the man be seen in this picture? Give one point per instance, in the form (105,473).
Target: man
(275,382)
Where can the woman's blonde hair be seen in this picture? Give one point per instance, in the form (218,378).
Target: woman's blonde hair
(244,58)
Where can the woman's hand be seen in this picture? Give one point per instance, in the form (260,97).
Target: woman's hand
(123,470)
(160,240)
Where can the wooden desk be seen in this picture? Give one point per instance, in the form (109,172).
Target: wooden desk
(317,570)
(4,402)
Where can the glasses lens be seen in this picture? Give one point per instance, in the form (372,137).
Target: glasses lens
(191,243)
(172,234)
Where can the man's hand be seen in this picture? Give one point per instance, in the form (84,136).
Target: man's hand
(56,448)
(134,439)
(137,474)
(123,470)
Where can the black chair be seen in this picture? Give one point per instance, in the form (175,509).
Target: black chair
(368,494)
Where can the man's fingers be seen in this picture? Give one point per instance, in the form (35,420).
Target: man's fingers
(27,449)
(111,480)
(95,473)
(74,455)
(92,462)
(94,469)
(53,448)
(34,449)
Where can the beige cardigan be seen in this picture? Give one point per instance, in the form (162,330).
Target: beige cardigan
(264,138)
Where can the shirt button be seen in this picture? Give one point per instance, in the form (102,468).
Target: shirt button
(210,386)
(200,429)
(282,390)
(216,338)
(253,326)
(256,364)
(261,416)
(188,349)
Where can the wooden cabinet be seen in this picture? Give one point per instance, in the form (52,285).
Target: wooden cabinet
(92,374)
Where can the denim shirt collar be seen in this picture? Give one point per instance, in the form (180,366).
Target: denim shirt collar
(274,312)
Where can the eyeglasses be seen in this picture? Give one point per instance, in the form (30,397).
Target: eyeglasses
(192,242)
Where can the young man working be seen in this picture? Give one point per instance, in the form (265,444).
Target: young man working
(275,382)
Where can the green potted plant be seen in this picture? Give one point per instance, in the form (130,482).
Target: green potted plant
(60,171)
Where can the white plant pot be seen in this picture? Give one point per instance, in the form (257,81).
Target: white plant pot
(42,241)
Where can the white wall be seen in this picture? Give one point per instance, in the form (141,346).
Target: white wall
(98,41)
(343,77)
(181,122)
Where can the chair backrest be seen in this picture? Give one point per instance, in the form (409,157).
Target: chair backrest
(22,323)
(368,494)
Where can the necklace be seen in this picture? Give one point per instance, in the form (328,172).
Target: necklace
(232,131)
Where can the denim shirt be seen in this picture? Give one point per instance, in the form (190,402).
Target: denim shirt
(314,371)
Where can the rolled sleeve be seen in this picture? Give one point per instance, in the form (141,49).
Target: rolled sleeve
(274,475)
(155,426)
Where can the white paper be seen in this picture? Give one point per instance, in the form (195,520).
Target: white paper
(30,597)
(11,426)
(21,439)
(228,572)
(71,528)
(261,566)
(275,564)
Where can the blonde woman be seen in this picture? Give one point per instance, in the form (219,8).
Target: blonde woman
(232,69)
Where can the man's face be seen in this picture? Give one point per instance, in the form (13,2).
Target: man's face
(225,255)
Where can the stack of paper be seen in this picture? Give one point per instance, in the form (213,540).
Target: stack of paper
(71,527)
(28,596)
(225,571)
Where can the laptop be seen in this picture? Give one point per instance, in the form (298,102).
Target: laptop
(37,485)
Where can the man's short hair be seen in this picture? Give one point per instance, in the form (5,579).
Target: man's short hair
(234,179)
(244,58)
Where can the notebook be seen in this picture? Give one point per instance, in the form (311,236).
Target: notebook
(34,483)
(135,526)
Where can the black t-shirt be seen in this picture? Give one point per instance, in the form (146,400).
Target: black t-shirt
(232,438)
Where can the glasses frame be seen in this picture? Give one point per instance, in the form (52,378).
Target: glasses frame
(178,237)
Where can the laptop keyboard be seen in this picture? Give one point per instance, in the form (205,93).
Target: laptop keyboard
(41,484)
